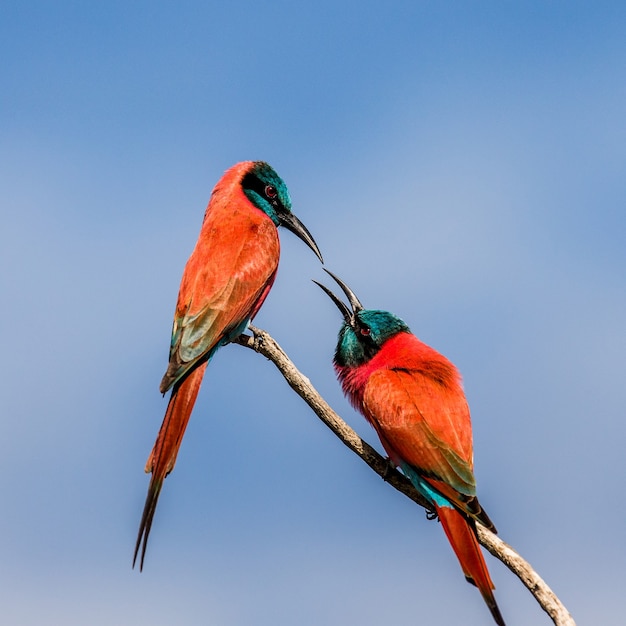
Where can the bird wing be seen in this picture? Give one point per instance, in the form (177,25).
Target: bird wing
(426,424)
(225,281)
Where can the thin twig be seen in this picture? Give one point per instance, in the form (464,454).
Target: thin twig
(263,343)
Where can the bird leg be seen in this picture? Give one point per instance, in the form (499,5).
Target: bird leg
(390,467)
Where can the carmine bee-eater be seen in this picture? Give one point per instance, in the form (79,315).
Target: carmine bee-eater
(413,397)
(225,282)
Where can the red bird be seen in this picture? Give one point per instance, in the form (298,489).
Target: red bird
(413,397)
(225,282)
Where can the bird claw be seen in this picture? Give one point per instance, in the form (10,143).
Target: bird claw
(431,515)
(257,338)
(390,467)
(258,342)
(254,341)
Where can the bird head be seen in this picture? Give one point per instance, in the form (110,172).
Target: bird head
(364,331)
(268,192)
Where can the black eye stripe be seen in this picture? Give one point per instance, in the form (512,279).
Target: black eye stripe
(251,182)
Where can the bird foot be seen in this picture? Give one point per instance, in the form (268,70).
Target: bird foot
(390,467)
(257,338)
(431,515)
(258,342)
(253,341)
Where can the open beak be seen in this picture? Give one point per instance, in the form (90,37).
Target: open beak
(356,305)
(292,223)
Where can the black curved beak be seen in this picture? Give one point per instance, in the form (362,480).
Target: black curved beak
(292,223)
(356,305)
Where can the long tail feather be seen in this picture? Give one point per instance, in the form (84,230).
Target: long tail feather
(163,456)
(462,538)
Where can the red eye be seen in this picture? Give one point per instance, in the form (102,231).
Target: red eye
(270,192)
(365,332)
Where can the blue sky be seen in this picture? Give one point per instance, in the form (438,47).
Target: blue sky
(462,166)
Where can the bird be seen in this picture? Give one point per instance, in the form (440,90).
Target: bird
(225,281)
(414,399)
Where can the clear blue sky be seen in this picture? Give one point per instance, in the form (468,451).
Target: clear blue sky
(462,165)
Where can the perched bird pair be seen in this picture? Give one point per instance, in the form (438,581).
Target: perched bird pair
(408,392)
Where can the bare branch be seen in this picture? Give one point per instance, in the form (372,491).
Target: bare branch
(263,343)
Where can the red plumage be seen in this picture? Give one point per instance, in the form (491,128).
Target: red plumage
(225,282)
(414,399)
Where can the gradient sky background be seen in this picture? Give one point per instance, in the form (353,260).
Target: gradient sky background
(462,165)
